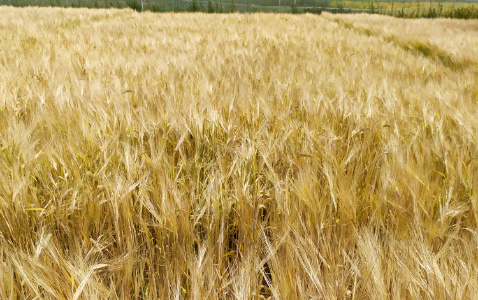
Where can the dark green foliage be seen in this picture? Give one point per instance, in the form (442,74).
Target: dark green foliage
(372,7)
(230,6)
(157,8)
(194,6)
(470,12)
(432,13)
(134,4)
(315,10)
(210,7)
(340,9)
(465,13)
(233,7)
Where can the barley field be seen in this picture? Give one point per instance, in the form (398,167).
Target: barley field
(240,156)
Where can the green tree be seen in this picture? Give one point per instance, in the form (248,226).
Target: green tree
(210,7)
(194,6)
(294,8)
(134,4)
(372,7)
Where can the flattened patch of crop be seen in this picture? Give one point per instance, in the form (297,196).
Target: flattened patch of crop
(421,48)
(434,53)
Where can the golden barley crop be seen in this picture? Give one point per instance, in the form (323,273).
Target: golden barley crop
(194,156)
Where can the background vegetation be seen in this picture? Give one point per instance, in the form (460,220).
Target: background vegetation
(245,156)
(401,8)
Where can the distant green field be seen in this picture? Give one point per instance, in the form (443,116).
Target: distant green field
(398,4)
(279,6)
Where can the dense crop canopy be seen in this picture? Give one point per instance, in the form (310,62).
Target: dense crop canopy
(159,156)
